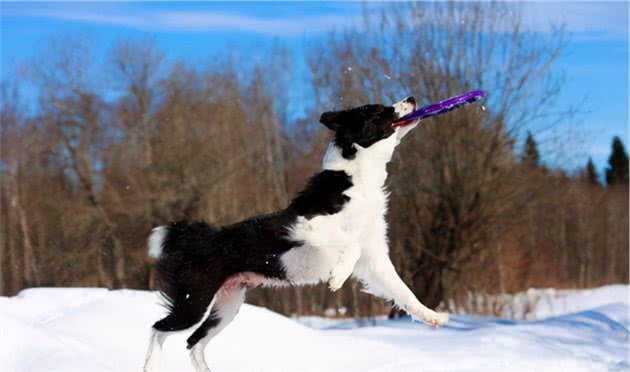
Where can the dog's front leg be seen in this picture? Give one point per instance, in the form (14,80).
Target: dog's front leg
(345,265)
(377,273)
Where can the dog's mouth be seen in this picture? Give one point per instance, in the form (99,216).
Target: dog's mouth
(404,108)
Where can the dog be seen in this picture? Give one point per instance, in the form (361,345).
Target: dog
(333,229)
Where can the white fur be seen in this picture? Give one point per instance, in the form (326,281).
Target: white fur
(154,353)
(354,241)
(156,240)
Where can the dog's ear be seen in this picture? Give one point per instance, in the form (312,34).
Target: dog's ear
(331,120)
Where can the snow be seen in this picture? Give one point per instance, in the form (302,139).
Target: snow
(543,303)
(93,329)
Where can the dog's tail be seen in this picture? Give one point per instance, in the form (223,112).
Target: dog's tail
(183,252)
(156,241)
(182,238)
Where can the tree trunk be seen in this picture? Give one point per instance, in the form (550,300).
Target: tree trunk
(299,302)
(29,259)
(356,306)
(17,280)
(103,277)
(82,168)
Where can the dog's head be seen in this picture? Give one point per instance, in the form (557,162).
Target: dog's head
(366,125)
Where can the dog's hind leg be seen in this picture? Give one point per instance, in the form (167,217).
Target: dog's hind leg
(154,353)
(185,313)
(228,302)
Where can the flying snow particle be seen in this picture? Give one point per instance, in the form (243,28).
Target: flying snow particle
(387,77)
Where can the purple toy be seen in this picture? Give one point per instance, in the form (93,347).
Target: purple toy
(440,107)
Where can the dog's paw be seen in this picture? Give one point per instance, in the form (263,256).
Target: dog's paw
(338,276)
(336,280)
(439,319)
(431,317)
(334,284)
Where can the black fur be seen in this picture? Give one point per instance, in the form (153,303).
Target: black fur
(180,269)
(363,125)
(323,194)
(197,259)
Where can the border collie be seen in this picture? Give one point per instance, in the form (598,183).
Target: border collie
(331,230)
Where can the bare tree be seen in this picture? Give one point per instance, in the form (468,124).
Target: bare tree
(73,110)
(137,68)
(455,183)
(112,149)
(15,146)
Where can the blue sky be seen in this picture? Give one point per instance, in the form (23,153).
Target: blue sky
(595,61)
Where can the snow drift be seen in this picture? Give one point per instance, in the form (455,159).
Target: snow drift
(535,304)
(91,329)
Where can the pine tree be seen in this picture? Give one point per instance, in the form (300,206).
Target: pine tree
(591,173)
(617,171)
(530,156)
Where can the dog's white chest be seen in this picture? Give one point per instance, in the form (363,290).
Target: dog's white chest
(327,237)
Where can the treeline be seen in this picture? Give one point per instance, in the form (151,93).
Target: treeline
(110,149)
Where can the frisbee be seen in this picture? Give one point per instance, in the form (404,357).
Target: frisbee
(441,107)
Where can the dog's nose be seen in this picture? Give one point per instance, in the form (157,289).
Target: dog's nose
(411,100)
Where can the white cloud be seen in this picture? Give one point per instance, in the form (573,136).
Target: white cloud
(179,20)
(85,16)
(587,20)
(209,21)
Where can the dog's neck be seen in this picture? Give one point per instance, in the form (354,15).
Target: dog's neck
(368,168)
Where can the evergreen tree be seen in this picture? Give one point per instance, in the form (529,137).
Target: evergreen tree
(591,173)
(617,171)
(530,156)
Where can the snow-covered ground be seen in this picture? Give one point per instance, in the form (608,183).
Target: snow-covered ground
(88,329)
(536,304)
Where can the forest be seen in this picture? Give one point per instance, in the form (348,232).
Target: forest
(102,150)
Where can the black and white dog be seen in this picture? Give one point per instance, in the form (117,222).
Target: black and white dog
(333,229)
